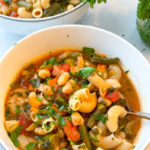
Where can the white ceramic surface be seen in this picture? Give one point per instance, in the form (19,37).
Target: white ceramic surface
(27,26)
(55,38)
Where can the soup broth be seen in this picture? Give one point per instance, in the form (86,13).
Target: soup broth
(72,100)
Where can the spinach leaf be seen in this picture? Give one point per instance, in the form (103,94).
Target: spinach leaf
(111,90)
(18,111)
(88,50)
(51,61)
(86,71)
(35,83)
(15,133)
(30,146)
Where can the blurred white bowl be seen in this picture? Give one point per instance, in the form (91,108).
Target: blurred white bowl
(76,36)
(27,26)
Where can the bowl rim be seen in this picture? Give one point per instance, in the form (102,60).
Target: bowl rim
(45,18)
(80,26)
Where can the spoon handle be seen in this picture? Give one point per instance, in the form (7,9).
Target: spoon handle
(139,114)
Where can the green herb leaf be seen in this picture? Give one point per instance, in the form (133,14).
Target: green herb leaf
(16,143)
(61,108)
(18,111)
(52,61)
(49,78)
(101,117)
(30,146)
(69,118)
(39,116)
(126,72)
(61,121)
(12,85)
(19,94)
(111,90)
(95,139)
(86,71)
(15,133)
(47,126)
(39,98)
(143,9)
(35,83)
(27,93)
(88,50)
(6,113)
(37,122)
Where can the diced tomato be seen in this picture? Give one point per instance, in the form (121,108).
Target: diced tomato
(3,2)
(66,67)
(15,15)
(113,97)
(58,69)
(71,131)
(25,122)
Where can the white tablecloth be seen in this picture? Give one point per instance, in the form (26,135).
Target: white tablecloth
(117,16)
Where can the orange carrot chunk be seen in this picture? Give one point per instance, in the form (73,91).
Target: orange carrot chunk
(33,109)
(52,82)
(34,102)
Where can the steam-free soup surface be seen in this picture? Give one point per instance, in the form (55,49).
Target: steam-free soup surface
(73,99)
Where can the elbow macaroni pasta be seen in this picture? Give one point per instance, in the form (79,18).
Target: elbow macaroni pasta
(23,13)
(107,142)
(77,97)
(45,4)
(89,105)
(99,82)
(114,113)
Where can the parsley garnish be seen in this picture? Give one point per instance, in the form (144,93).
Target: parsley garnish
(6,113)
(49,78)
(143,9)
(39,116)
(101,117)
(14,134)
(18,111)
(39,98)
(61,121)
(30,146)
(50,61)
(69,118)
(61,108)
(19,94)
(126,72)
(37,122)
(86,71)
(95,139)
(12,85)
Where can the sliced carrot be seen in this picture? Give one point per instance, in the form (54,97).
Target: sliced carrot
(34,109)
(34,102)
(30,88)
(52,82)
(102,55)
(101,67)
(50,69)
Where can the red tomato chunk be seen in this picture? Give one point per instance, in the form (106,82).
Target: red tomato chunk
(25,122)
(113,97)
(71,131)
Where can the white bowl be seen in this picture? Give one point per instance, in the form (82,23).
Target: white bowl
(27,26)
(75,36)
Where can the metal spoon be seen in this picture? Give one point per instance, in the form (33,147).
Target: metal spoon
(137,113)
